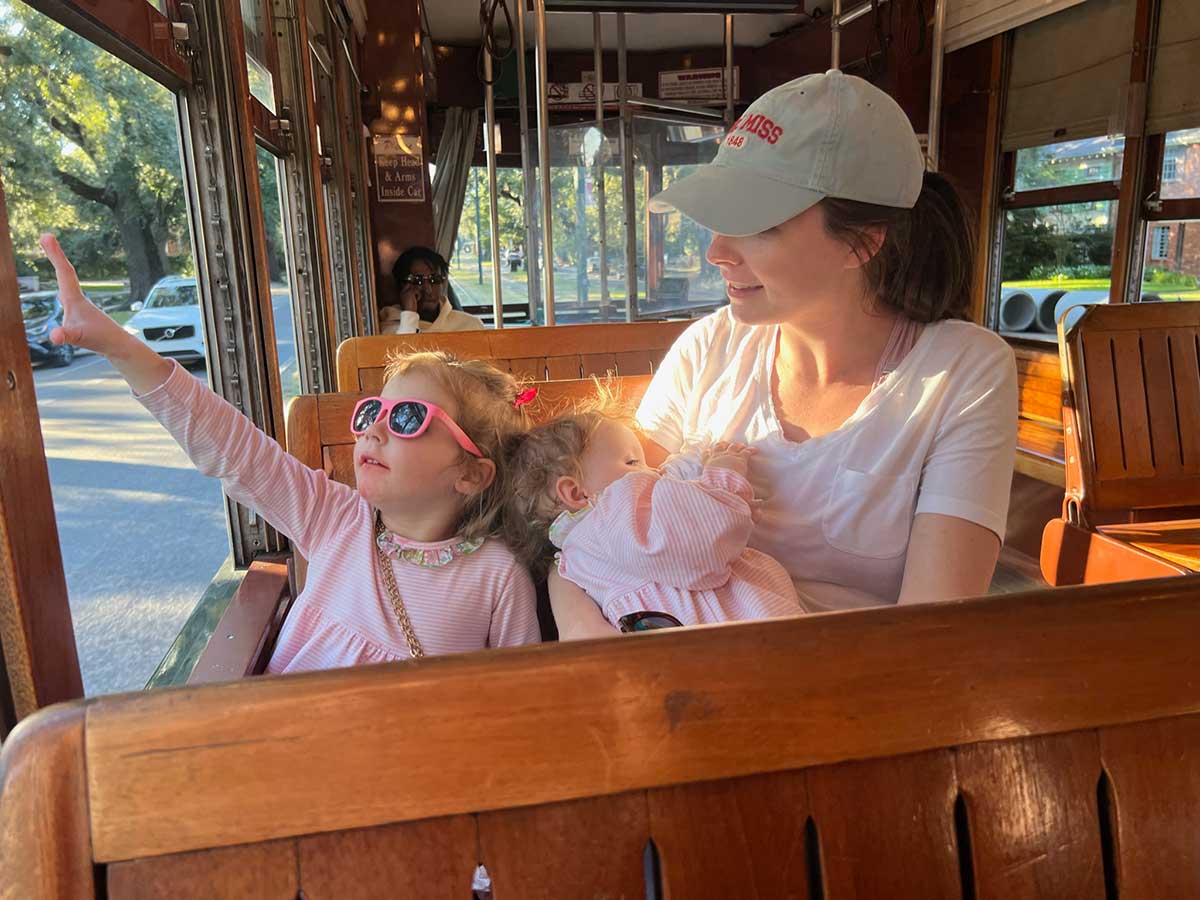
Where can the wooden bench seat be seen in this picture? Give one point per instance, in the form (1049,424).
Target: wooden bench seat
(1044,745)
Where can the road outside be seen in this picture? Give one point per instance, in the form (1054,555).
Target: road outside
(142,532)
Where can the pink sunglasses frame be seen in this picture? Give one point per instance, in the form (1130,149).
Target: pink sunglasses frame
(433,412)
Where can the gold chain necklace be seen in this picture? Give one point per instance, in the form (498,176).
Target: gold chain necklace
(389,582)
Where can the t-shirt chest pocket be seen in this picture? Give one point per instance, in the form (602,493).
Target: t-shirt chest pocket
(868,514)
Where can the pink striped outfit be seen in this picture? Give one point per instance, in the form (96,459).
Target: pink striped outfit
(653,542)
(458,599)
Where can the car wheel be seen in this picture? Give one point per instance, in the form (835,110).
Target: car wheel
(65,356)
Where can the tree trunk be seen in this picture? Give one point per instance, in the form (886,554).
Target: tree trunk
(145,259)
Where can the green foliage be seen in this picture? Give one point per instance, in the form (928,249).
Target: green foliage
(1071,273)
(89,150)
(1160,277)
(1041,241)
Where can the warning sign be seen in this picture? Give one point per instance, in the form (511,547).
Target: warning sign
(399,168)
(697,84)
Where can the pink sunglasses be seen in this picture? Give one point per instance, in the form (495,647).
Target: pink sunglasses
(407,419)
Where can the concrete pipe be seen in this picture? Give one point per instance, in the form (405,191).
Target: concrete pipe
(1017,311)
(1151,298)
(1046,301)
(1072,305)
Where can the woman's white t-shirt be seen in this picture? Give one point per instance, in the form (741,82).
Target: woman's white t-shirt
(937,435)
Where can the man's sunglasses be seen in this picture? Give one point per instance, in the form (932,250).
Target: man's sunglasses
(647,620)
(419,280)
(407,419)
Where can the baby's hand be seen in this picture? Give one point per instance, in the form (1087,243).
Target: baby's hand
(727,455)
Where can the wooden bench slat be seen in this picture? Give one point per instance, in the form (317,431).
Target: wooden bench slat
(581,849)
(886,827)
(1154,769)
(1033,819)
(265,871)
(434,858)
(743,837)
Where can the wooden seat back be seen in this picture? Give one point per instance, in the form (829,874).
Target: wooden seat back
(1131,404)
(539,354)
(1039,745)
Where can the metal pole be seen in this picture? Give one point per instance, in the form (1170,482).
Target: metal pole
(627,186)
(728,70)
(529,209)
(478,228)
(935,84)
(489,121)
(543,112)
(835,33)
(598,64)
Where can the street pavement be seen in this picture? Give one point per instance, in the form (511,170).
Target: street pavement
(142,532)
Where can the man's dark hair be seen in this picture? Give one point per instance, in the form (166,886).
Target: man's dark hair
(405,261)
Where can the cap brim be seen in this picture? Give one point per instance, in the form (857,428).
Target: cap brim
(734,201)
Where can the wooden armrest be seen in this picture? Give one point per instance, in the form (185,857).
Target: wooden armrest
(245,634)
(1073,555)
(1175,540)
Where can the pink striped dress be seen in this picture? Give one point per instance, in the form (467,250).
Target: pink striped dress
(477,599)
(654,542)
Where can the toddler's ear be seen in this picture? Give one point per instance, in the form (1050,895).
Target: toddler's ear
(570,492)
(475,477)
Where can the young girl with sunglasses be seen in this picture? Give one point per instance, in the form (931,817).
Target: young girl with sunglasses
(648,547)
(404,566)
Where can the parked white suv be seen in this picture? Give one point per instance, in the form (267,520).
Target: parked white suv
(169,321)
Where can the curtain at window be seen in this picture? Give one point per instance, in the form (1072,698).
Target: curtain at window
(968,21)
(452,169)
(1069,75)
(1174,100)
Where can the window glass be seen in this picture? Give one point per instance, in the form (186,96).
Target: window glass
(258,58)
(1181,165)
(1050,251)
(141,531)
(1068,163)
(1171,269)
(270,184)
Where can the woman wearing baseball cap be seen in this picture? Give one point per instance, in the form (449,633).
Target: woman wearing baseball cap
(883,422)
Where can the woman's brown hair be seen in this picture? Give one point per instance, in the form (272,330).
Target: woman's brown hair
(923,267)
(485,399)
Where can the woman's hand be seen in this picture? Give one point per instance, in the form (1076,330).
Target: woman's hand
(85,325)
(575,613)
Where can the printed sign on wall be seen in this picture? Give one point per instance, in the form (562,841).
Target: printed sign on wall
(697,84)
(399,168)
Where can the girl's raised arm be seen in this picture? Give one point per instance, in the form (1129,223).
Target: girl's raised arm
(85,325)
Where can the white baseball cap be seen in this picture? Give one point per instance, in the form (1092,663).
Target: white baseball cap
(824,135)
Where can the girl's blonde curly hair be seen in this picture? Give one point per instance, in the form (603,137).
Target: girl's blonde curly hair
(537,459)
(484,397)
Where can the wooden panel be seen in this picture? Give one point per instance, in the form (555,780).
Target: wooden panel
(45,845)
(1155,773)
(246,628)
(254,872)
(1177,541)
(1185,365)
(35,621)
(788,694)
(533,368)
(586,848)
(600,364)
(431,859)
(339,463)
(1131,394)
(1032,814)
(1104,416)
(1160,402)
(637,362)
(370,380)
(886,827)
(743,837)
(563,367)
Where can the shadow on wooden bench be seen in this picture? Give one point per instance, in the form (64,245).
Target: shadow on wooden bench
(1036,745)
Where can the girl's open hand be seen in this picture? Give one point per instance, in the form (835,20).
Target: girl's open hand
(84,325)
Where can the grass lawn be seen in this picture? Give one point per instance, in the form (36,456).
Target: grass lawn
(121,317)
(1102,284)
